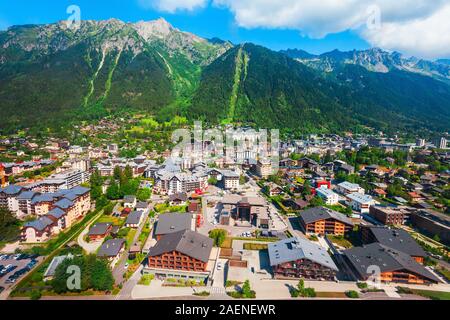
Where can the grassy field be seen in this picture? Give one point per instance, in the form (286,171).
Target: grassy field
(227,244)
(433,295)
(342,242)
(331,295)
(255,246)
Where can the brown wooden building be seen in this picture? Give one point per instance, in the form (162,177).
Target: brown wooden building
(323,221)
(185,250)
(300,258)
(392,265)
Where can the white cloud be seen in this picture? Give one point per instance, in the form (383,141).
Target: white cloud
(172,6)
(419,27)
(428,37)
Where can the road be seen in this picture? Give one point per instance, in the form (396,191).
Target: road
(8,291)
(119,268)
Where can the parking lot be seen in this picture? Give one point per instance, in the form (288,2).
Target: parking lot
(15,266)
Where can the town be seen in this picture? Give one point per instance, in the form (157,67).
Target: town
(351,216)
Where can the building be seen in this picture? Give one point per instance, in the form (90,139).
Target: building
(329,197)
(56,261)
(246,210)
(2,176)
(169,223)
(394,266)
(397,239)
(183,254)
(57,212)
(62,181)
(440,143)
(390,215)
(129,202)
(347,188)
(177,199)
(100,231)
(433,224)
(360,202)
(323,221)
(300,258)
(111,250)
(230,180)
(134,219)
(264,168)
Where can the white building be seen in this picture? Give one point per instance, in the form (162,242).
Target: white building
(347,188)
(327,195)
(360,202)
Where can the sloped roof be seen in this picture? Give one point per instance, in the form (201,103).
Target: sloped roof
(397,239)
(190,243)
(385,258)
(39,224)
(110,248)
(293,249)
(322,213)
(134,217)
(173,222)
(99,228)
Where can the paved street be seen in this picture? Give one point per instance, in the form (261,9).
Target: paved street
(119,269)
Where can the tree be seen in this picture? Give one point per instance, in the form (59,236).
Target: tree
(128,172)
(306,188)
(117,173)
(219,236)
(144,194)
(246,289)
(9,225)
(113,191)
(212,181)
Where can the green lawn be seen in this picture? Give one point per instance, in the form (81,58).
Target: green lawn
(255,246)
(341,241)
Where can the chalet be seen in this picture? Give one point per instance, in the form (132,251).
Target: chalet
(134,219)
(397,239)
(111,250)
(100,231)
(395,266)
(322,221)
(274,189)
(177,199)
(301,259)
(129,202)
(183,254)
(173,222)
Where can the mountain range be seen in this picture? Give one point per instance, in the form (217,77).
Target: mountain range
(51,75)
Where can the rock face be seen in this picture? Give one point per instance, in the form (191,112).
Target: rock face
(51,75)
(373,59)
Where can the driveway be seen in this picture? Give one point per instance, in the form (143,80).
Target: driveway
(89,247)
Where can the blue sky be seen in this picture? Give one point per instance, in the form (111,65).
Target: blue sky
(408,26)
(208,22)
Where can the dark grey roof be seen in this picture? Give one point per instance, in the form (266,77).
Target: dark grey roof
(57,213)
(178,196)
(320,213)
(134,217)
(173,222)
(79,190)
(129,198)
(142,205)
(110,248)
(99,228)
(397,239)
(43,198)
(293,249)
(385,258)
(64,203)
(190,243)
(27,195)
(50,272)
(12,189)
(39,224)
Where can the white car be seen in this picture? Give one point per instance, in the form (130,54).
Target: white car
(219,266)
